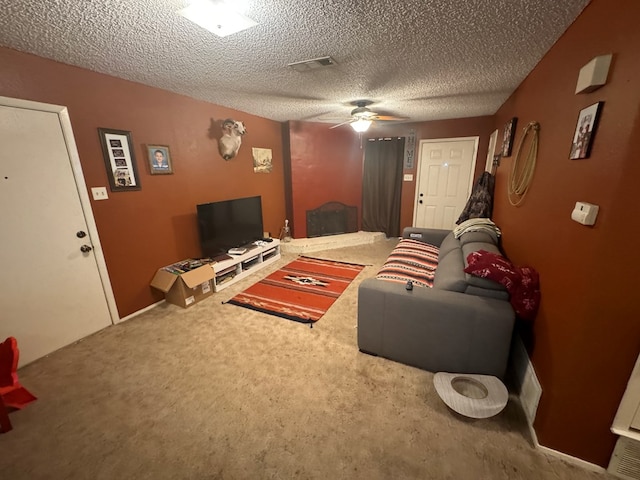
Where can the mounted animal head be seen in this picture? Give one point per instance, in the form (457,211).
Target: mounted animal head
(233,127)
(229,144)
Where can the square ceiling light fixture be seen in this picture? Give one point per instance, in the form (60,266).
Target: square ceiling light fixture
(217,16)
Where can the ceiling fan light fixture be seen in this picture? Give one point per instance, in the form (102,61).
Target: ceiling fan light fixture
(361,125)
(217,17)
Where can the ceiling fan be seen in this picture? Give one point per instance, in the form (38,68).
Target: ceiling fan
(362,116)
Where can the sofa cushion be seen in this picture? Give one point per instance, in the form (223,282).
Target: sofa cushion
(450,274)
(487,292)
(416,253)
(484,237)
(449,244)
(403,273)
(413,261)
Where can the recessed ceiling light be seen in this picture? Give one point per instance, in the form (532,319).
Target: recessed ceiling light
(216,16)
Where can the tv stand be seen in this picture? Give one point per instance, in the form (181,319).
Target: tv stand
(231,270)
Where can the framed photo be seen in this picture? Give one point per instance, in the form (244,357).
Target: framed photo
(585,130)
(262,160)
(491,153)
(159,159)
(119,159)
(508,136)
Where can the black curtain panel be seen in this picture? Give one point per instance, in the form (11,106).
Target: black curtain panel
(382,185)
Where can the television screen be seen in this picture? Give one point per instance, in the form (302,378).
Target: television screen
(229,224)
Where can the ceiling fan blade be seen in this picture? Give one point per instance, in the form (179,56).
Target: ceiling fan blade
(340,124)
(389,118)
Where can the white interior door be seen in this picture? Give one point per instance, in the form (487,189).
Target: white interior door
(52,293)
(445,176)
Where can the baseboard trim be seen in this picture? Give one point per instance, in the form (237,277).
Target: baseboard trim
(571,459)
(145,309)
(524,372)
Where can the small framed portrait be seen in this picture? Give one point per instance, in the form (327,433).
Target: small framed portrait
(585,130)
(119,159)
(159,160)
(508,136)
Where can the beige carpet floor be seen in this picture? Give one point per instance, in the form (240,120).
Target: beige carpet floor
(221,392)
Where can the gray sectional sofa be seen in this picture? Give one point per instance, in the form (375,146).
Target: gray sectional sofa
(463,324)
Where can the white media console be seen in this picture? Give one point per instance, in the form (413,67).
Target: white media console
(234,269)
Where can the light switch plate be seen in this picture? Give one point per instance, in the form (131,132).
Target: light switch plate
(99,193)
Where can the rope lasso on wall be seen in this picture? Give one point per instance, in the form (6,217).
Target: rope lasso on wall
(521,172)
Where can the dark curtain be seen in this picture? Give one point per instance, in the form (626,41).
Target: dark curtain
(382,186)
(480,203)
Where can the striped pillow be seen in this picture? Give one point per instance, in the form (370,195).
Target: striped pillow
(413,261)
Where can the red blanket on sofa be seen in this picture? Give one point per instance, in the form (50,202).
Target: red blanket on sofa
(522,283)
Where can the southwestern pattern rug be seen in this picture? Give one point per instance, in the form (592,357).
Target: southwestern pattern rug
(302,290)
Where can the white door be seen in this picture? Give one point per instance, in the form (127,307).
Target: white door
(51,292)
(445,176)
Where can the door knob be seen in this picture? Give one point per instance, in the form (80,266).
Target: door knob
(81,234)
(85,248)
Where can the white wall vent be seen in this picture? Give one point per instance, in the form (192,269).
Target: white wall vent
(313,64)
(625,461)
(525,379)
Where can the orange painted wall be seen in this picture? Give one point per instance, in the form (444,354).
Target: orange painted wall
(586,337)
(326,165)
(143,230)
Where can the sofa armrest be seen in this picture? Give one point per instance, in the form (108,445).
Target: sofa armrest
(432,236)
(432,329)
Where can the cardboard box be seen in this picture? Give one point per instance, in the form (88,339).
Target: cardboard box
(184,288)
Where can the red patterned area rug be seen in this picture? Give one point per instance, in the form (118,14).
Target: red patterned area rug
(303,290)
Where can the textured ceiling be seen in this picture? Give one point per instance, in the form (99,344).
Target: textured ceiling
(423,59)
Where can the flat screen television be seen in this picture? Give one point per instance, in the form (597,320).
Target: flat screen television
(229,224)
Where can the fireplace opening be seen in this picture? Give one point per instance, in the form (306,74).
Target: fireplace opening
(332,218)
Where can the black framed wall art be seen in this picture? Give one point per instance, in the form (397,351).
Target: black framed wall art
(119,159)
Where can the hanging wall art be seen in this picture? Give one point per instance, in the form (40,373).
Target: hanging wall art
(507,137)
(262,160)
(159,160)
(119,159)
(585,131)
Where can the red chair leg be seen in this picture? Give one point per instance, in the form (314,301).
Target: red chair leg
(5,423)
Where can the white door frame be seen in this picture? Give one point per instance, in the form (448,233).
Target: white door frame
(423,142)
(76,167)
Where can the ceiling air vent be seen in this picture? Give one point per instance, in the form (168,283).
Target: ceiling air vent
(313,64)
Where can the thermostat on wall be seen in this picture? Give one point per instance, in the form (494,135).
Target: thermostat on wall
(594,74)
(585,213)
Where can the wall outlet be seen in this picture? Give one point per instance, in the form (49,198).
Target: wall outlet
(99,193)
